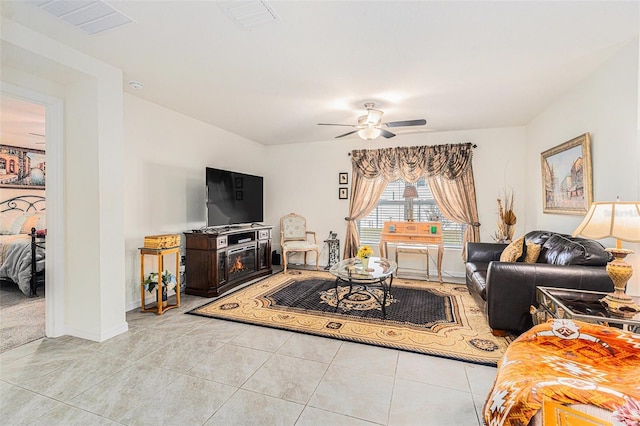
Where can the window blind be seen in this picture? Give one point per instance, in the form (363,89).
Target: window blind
(392,207)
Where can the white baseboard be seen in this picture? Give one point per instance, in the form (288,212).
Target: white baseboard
(101,336)
(148,299)
(133,305)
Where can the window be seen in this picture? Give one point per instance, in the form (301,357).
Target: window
(391,207)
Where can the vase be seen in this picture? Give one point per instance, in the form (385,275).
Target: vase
(365,262)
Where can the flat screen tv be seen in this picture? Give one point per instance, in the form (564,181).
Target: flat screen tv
(233,198)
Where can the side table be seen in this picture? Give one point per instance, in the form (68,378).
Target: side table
(334,252)
(361,278)
(159,253)
(582,305)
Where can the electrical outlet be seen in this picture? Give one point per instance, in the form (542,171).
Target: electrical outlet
(182,267)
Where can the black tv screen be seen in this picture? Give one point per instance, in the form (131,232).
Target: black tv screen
(233,198)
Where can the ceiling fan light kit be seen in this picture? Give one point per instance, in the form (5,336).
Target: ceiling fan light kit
(369,126)
(369,133)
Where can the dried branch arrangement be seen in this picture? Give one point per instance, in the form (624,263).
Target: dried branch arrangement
(507,218)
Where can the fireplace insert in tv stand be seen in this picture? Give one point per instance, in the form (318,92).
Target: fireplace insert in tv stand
(218,260)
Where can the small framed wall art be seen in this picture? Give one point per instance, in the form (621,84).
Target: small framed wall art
(343,193)
(343,178)
(566,177)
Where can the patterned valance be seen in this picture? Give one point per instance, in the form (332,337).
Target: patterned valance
(413,162)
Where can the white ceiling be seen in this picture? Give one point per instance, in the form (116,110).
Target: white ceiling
(460,65)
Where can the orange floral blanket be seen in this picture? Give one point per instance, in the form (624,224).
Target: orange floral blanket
(569,362)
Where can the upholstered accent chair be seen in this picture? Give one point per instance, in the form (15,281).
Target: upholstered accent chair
(294,238)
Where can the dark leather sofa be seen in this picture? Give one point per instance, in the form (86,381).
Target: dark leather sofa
(506,290)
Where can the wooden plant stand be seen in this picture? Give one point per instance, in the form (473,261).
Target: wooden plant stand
(159,253)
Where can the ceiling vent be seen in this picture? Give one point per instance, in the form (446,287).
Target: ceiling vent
(248,14)
(92,16)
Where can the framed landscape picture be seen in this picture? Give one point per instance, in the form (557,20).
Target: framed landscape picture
(22,167)
(567,177)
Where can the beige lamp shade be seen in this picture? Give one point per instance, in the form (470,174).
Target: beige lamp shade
(616,219)
(410,191)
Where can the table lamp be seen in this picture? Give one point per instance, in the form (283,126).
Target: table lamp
(410,192)
(619,220)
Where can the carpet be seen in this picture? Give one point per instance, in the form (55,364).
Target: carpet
(429,318)
(22,319)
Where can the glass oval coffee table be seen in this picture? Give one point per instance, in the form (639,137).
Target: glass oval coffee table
(378,275)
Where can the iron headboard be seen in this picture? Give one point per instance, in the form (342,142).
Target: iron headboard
(24,203)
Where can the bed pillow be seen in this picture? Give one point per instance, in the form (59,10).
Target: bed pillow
(33,220)
(11,222)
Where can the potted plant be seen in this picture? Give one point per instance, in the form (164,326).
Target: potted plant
(507,219)
(168,282)
(364,252)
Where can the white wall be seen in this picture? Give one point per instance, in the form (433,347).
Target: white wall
(306,180)
(166,154)
(606,106)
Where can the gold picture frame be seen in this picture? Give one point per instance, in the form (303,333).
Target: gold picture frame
(567,177)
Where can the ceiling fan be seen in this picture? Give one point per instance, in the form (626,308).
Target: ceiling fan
(39,135)
(370,125)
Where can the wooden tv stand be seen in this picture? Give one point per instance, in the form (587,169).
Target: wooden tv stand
(222,258)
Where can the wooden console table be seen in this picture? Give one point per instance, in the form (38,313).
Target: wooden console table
(213,254)
(414,233)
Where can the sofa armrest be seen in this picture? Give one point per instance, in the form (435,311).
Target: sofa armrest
(484,252)
(511,289)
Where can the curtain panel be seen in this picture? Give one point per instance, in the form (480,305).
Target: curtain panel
(447,167)
(365,194)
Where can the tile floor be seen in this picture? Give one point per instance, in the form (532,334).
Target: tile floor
(178,369)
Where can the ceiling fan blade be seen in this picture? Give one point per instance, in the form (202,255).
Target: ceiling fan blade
(387,134)
(420,122)
(346,134)
(332,124)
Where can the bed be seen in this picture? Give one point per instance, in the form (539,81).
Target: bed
(22,238)
(583,369)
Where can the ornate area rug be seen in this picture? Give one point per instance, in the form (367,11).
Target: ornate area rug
(424,317)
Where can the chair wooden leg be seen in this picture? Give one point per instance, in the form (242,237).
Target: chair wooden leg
(428,274)
(284,260)
(499,333)
(305,258)
(317,256)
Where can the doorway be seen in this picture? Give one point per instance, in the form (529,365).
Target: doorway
(55,254)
